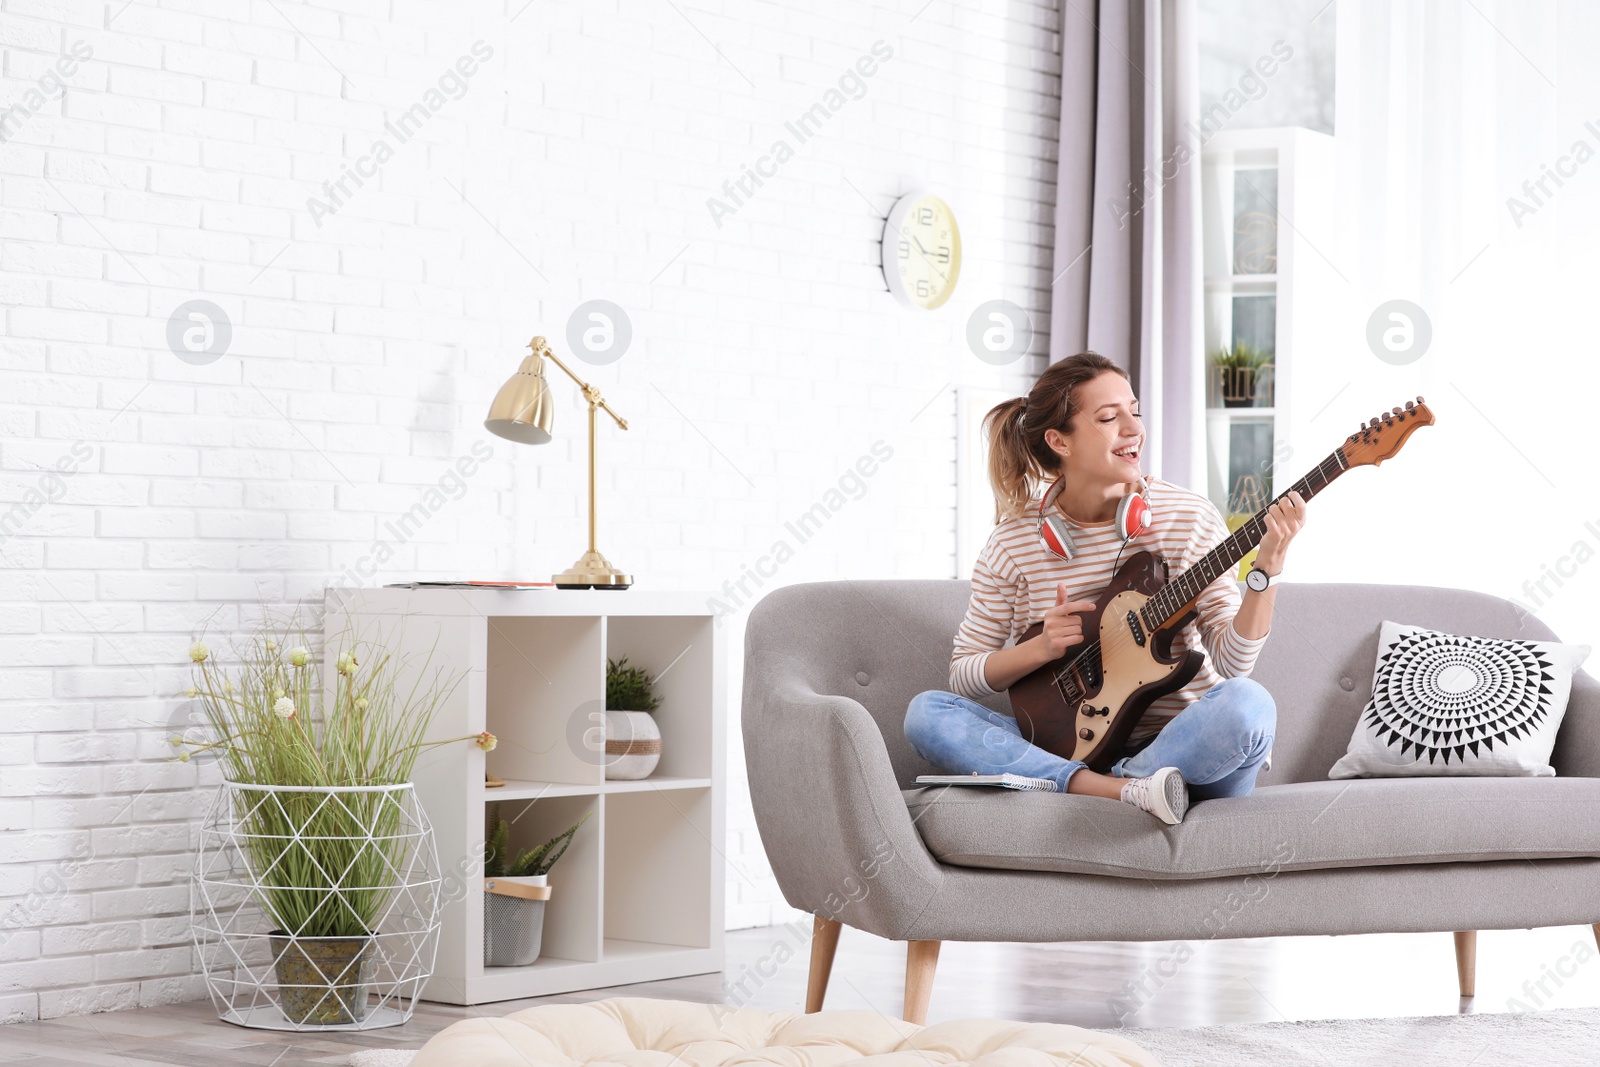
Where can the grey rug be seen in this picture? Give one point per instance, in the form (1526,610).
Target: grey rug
(1561,1038)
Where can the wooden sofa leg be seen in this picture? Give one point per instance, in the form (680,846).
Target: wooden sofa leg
(824,940)
(1467,959)
(922,957)
(1597,934)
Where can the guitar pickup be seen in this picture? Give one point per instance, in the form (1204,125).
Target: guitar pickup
(1137,628)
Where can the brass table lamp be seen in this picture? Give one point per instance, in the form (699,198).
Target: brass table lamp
(523,411)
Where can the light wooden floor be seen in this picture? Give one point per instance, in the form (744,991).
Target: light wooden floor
(1218,982)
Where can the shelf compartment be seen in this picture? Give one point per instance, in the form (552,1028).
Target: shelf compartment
(572,917)
(677,651)
(657,852)
(545,692)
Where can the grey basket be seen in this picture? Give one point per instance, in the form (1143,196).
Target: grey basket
(512,930)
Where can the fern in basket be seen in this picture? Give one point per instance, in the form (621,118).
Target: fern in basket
(325,860)
(533,861)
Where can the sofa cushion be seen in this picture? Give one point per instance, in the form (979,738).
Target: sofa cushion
(1301,826)
(1493,705)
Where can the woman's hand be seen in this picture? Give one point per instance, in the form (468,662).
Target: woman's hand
(1285,517)
(1063,626)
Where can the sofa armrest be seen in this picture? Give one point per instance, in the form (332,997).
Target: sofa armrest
(831,816)
(1577,751)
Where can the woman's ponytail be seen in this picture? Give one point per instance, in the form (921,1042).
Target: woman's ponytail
(1012,470)
(1019,458)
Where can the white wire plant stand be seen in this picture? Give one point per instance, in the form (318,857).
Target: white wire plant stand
(315,908)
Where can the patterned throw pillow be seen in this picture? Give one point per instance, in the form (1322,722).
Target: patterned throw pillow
(1444,704)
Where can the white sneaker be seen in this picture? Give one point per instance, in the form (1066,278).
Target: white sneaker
(1163,795)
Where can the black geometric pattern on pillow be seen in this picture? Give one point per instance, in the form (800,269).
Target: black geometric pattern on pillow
(1444,694)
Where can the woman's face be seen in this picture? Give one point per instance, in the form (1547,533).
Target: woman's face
(1107,438)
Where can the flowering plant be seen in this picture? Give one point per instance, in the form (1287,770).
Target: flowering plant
(324,859)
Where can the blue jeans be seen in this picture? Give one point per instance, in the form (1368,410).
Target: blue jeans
(1217,742)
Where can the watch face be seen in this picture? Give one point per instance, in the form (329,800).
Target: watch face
(1256,580)
(924,252)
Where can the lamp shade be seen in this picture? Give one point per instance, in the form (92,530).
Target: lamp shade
(523,410)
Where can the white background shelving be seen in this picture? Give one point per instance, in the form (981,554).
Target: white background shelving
(638,896)
(1301,162)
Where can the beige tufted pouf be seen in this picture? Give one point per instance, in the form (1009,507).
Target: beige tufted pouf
(640,1032)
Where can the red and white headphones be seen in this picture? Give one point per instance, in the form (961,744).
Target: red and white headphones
(1133,518)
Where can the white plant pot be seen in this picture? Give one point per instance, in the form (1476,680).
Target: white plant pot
(633,744)
(513,919)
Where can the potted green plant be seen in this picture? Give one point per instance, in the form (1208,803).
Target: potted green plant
(633,738)
(515,891)
(1244,374)
(315,833)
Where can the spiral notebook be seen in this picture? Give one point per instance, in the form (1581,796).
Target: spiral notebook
(1005,781)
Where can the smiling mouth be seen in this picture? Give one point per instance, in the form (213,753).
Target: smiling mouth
(1131,456)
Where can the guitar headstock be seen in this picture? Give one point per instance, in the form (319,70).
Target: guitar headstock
(1382,437)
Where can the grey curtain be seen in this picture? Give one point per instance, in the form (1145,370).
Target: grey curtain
(1127,277)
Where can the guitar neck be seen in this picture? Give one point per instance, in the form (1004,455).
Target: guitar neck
(1176,598)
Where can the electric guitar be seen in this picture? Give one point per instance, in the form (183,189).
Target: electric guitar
(1084,705)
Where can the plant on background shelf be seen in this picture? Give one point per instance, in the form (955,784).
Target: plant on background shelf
(516,889)
(1245,373)
(629,688)
(633,738)
(316,814)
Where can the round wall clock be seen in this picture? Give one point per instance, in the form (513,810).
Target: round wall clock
(921,251)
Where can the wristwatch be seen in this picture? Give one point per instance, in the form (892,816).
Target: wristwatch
(1260,580)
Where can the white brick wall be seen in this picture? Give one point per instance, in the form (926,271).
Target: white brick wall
(149,499)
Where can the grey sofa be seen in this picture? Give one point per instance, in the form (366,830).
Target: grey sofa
(831,666)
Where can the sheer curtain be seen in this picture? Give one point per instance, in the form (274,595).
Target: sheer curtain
(1127,255)
(1468,141)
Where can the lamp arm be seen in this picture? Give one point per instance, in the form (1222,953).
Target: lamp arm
(590,392)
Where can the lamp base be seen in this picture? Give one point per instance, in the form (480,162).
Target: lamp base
(592,571)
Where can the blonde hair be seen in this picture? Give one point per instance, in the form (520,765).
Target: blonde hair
(1019,458)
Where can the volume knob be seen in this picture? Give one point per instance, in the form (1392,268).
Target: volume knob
(1086,733)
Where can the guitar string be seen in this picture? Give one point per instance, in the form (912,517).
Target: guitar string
(1123,638)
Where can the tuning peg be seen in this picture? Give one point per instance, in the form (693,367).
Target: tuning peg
(1397,411)
(1410,404)
(1419,399)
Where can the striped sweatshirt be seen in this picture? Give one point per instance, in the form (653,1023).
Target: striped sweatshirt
(1014,583)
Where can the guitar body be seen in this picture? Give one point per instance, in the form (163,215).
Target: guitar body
(1084,707)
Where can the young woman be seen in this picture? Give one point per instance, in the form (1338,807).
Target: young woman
(1080,426)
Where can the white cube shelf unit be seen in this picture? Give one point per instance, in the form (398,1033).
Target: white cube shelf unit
(638,896)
